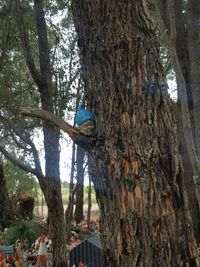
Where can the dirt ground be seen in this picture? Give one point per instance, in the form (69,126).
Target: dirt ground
(42,211)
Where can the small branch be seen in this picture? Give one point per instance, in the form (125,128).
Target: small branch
(80,139)
(18,163)
(20,145)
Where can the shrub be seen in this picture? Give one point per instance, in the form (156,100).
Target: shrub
(22,230)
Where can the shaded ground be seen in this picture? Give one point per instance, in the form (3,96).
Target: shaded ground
(42,211)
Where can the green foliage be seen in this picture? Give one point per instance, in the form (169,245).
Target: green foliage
(18,181)
(22,230)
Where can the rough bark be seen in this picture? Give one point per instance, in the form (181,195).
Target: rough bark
(143,210)
(6,212)
(78,213)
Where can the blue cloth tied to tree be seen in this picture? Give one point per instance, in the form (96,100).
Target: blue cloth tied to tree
(83,115)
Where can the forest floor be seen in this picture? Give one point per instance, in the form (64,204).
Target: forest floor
(27,254)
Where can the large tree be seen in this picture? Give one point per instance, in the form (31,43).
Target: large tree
(139,185)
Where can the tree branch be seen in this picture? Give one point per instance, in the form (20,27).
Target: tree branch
(18,163)
(26,45)
(44,59)
(80,139)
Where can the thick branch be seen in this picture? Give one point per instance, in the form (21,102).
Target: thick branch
(18,163)
(74,133)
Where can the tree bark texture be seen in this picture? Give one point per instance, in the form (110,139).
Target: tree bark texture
(57,228)
(6,212)
(78,213)
(139,190)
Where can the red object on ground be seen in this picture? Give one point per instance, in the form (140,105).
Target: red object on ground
(9,258)
(1,259)
(82,265)
(42,257)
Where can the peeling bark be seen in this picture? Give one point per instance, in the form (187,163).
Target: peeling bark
(139,190)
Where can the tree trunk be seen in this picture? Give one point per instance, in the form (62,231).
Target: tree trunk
(188,53)
(193,16)
(70,207)
(90,175)
(143,210)
(78,214)
(6,212)
(52,191)
(56,221)
(193,10)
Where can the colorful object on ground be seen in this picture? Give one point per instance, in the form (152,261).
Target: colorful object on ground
(2,257)
(18,260)
(7,250)
(42,257)
(83,115)
(82,265)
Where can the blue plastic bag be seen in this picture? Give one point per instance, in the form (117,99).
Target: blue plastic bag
(83,115)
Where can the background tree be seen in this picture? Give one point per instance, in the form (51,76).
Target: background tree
(178,23)
(6,212)
(78,213)
(52,95)
(18,181)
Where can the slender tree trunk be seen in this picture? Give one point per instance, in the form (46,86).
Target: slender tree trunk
(193,16)
(70,207)
(142,203)
(78,214)
(52,192)
(90,175)
(6,212)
